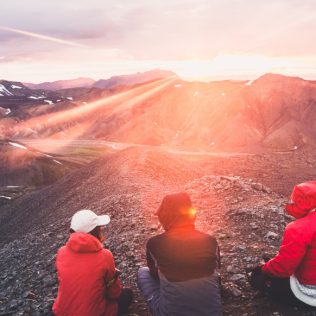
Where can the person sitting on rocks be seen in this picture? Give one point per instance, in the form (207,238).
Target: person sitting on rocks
(182,275)
(89,284)
(290,277)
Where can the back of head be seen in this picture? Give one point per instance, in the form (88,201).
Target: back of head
(175,209)
(303,199)
(86,221)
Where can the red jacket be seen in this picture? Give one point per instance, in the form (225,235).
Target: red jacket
(297,254)
(84,267)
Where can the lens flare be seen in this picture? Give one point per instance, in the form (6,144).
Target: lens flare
(192,212)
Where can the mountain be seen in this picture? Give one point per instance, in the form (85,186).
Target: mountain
(115,81)
(22,165)
(13,94)
(62,84)
(129,80)
(273,112)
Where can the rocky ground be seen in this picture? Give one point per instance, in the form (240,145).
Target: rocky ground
(239,199)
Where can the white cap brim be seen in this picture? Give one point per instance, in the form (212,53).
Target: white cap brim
(86,220)
(103,220)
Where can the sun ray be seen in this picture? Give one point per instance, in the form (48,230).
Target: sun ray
(41,36)
(91,111)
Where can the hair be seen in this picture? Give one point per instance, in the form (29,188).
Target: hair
(96,232)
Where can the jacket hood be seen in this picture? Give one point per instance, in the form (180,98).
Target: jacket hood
(176,209)
(83,243)
(303,199)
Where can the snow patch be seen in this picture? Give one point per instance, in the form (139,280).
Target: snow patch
(5,111)
(4,90)
(178,85)
(196,93)
(1,95)
(212,143)
(223,93)
(56,161)
(6,197)
(69,98)
(18,145)
(36,97)
(13,86)
(295,147)
(49,101)
(249,83)
(58,100)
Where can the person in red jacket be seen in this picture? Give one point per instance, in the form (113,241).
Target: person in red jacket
(290,276)
(88,281)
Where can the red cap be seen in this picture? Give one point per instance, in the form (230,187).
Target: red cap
(303,199)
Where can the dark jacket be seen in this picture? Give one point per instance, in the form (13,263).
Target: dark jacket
(186,261)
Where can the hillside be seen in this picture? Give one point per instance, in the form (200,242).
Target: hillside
(274,112)
(239,205)
(22,165)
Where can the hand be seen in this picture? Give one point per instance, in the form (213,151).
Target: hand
(257,279)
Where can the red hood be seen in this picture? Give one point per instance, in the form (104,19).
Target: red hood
(81,242)
(303,199)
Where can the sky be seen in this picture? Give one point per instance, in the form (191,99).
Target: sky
(198,39)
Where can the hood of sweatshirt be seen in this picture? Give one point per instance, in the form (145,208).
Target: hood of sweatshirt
(83,243)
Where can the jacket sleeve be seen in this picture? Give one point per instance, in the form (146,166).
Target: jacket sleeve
(291,253)
(151,262)
(113,291)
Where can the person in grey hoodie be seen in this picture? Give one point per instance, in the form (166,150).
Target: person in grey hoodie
(182,277)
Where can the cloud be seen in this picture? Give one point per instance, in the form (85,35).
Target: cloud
(143,30)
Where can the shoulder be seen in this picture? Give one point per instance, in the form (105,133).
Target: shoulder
(156,239)
(301,229)
(106,254)
(299,225)
(61,251)
(207,236)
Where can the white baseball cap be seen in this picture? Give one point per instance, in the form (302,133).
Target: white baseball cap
(85,221)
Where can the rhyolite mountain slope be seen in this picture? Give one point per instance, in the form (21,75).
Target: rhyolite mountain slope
(274,112)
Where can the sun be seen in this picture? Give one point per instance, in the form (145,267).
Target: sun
(229,67)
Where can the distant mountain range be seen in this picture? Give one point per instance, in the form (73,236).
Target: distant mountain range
(273,112)
(62,84)
(113,82)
